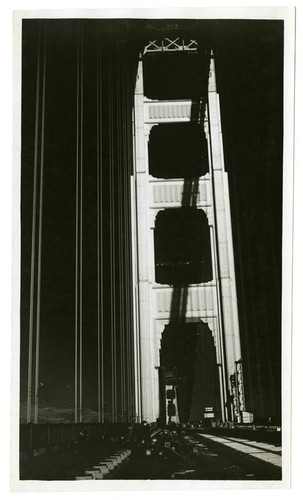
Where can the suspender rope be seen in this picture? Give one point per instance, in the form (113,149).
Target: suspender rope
(81,235)
(32,283)
(100,237)
(129,309)
(116,224)
(76,242)
(101,247)
(40,244)
(112,246)
(120,182)
(114,257)
(127,258)
(129,322)
(110,234)
(124,260)
(133,320)
(78,239)
(98,228)
(120,268)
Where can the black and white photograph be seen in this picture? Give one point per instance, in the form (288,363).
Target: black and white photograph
(152,198)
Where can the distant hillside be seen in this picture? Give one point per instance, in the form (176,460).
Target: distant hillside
(53,414)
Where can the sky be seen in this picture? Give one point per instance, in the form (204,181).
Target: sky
(249,63)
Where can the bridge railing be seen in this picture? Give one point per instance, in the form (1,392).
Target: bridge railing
(35,436)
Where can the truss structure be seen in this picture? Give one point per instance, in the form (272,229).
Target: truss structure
(168,45)
(240,383)
(235,397)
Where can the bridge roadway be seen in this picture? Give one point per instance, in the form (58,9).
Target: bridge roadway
(195,454)
(201,456)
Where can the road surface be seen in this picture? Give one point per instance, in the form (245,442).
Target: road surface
(204,458)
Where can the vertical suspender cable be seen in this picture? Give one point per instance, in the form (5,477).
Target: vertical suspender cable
(133,389)
(76,240)
(81,236)
(126,254)
(32,283)
(119,365)
(111,226)
(98,234)
(101,243)
(129,309)
(123,210)
(114,227)
(130,318)
(115,212)
(40,242)
(125,264)
(99,237)
(120,182)
(114,255)
(130,324)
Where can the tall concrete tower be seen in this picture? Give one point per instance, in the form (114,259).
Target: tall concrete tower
(182,289)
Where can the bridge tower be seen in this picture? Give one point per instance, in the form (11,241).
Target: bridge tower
(211,297)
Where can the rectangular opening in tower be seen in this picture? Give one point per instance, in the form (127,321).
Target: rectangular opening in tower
(175,75)
(177,150)
(182,247)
